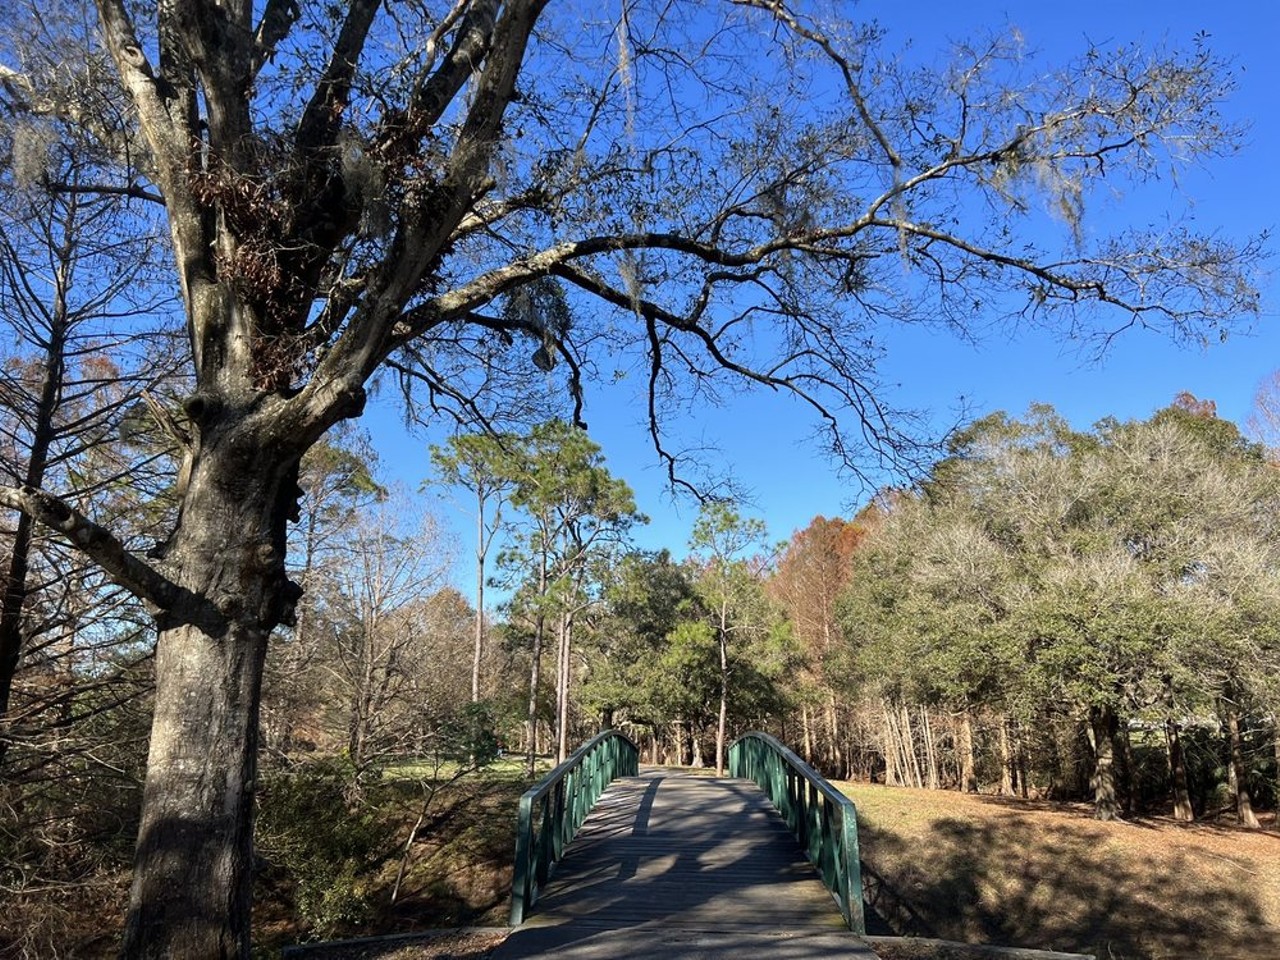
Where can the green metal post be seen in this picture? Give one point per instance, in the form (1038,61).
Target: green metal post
(520,881)
(851,868)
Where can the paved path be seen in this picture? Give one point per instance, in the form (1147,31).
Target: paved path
(671,866)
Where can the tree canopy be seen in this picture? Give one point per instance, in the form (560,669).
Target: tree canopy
(477,194)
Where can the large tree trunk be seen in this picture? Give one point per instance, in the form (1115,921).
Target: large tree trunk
(192,876)
(1238,773)
(1103,724)
(1182,809)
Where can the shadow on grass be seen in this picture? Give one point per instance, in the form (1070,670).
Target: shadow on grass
(461,868)
(1017,883)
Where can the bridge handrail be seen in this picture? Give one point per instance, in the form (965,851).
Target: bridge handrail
(823,819)
(564,797)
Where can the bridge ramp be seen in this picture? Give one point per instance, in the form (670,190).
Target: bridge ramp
(671,865)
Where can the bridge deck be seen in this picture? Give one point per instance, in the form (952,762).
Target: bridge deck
(689,866)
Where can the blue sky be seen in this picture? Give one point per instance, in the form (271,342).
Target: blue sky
(763,442)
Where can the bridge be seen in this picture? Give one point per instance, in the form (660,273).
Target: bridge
(668,865)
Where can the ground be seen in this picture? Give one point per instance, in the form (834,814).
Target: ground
(1037,874)
(448,945)
(938,864)
(1030,874)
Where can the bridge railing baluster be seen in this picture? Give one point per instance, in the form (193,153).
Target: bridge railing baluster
(552,811)
(823,820)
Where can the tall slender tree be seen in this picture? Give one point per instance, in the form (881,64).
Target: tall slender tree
(477,462)
(83,336)
(722,547)
(812,571)
(574,510)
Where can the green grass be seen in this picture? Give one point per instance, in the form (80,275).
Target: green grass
(507,768)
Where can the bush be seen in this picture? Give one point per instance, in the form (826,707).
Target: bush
(327,849)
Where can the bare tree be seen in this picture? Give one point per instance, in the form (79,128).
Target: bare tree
(476,462)
(338,476)
(395,561)
(811,573)
(428,185)
(82,340)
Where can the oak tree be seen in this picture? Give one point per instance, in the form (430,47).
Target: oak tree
(429,185)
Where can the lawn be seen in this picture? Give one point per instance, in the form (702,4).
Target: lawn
(1037,874)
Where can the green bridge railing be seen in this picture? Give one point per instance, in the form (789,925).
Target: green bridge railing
(821,817)
(552,811)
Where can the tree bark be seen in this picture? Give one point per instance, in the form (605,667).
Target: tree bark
(1128,770)
(835,750)
(1182,809)
(192,878)
(535,668)
(806,733)
(907,741)
(1239,774)
(968,778)
(930,753)
(1020,756)
(1102,721)
(1275,747)
(477,654)
(889,747)
(562,687)
(1006,759)
(722,722)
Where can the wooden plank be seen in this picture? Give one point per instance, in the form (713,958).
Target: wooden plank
(689,852)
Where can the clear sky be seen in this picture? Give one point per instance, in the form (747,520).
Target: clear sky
(763,442)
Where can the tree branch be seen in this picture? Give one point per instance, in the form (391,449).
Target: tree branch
(98,543)
(322,118)
(277,20)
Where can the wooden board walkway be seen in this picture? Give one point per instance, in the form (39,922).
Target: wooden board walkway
(672,865)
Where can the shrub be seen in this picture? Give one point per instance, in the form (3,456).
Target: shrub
(324,847)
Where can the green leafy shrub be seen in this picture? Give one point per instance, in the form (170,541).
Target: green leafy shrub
(322,846)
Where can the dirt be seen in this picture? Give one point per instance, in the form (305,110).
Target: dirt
(1037,874)
(436,945)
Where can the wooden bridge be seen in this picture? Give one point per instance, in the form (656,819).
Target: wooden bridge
(671,865)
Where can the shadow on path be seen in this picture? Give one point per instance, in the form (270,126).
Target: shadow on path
(674,866)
